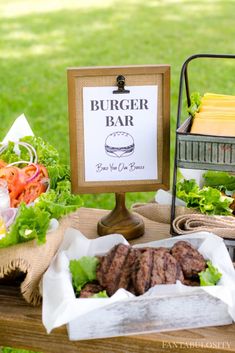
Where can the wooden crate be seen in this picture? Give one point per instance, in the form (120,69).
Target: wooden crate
(151,314)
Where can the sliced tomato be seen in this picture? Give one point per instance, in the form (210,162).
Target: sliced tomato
(15,181)
(31,191)
(31,170)
(43,171)
(2,164)
(25,184)
(34,188)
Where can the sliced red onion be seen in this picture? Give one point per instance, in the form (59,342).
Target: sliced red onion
(35,174)
(25,145)
(9,215)
(18,162)
(2,148)
(31,149)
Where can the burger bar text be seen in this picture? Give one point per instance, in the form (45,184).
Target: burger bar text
(123,104)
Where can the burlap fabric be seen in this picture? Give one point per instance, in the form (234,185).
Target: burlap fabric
(187,220)
(33,260)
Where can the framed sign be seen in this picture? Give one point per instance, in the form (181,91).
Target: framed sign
(119,128)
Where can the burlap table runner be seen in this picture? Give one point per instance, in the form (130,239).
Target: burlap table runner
(33,260)
(187,220)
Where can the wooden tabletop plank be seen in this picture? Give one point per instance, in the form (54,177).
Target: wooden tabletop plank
(21,326)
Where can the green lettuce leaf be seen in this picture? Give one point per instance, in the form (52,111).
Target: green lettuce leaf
(9,155)
(47,154)
(57,173)
(195,99)
(101,294)
(206,200)
(29,224)
(219,180)
(83,271)
(188,191)
(210,276)
(60,201)
(49,157)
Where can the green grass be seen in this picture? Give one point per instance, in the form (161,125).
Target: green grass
(40,39)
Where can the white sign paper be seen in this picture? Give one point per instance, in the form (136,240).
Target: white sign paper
(120,133)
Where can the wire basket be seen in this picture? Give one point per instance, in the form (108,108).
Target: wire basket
(196,151)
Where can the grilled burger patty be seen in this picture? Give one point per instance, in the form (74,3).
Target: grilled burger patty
(190,260)
(90,289)
(138,269)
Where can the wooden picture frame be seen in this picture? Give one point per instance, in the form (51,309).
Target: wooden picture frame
(87,77)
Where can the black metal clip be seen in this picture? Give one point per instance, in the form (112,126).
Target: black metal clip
(121,85)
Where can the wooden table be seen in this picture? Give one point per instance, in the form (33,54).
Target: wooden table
(21,326)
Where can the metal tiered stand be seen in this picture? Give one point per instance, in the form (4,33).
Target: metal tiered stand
(195,151)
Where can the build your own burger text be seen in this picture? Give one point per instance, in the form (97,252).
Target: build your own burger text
(119,105)
(131,167)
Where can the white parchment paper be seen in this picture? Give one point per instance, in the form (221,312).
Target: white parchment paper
(60,306)
(20,128)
